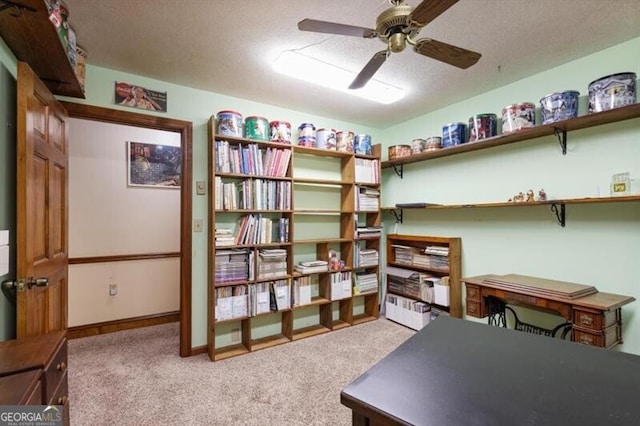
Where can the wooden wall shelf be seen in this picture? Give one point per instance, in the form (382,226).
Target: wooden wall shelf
(26,29)
(557,206)
(560,128)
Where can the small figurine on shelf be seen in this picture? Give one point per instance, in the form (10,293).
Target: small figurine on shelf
(518,198)
(530,196)
(542,196)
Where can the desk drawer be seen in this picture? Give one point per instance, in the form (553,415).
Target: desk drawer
(473,293)
(604,339)
(475,308)
(597,321)
(56,370)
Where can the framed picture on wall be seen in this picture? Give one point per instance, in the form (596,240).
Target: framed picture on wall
(153,165)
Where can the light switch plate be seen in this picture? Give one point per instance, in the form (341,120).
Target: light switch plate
(201,187)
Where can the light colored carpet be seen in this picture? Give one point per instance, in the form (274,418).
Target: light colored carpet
(136,377)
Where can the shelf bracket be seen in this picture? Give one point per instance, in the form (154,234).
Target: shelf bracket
(6,4)
(398,171)
(562,139)
(561,215)
(397,215)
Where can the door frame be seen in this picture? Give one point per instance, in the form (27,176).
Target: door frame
(185,129)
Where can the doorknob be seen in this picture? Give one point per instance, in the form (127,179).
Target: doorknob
(20,284)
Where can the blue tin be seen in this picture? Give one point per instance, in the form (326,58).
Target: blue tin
(454,134)
(362,144)
(612,91)
(559,106)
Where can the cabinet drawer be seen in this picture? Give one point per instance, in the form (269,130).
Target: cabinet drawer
(595,321)
(475,309)
(55,370)
(61,397)
(605,339)
(473,292)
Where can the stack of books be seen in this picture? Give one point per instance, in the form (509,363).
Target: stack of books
(301,291)
(365,257)
(365,232)
(272,263)
(367,199)
(232,265)
(312,266)
(224,237)
(365,283)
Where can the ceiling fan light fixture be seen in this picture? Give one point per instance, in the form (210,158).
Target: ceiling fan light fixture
(316,71)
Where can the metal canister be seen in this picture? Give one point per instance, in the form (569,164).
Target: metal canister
(432,143)
(454,134)
(229,123)
(362,144)
(482,126)
(417,145)
(326,138)
(518,116)
(280,131)
(257,128)
(344,141)
(307,135)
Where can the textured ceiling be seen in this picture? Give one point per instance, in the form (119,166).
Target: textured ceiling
(228,46)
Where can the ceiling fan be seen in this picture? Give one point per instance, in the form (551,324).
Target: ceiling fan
(398,26)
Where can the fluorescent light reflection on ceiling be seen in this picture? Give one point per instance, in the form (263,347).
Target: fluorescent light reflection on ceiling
(303,67)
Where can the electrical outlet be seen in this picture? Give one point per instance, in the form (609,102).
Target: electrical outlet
(197,225)
(113,289)
(235,335)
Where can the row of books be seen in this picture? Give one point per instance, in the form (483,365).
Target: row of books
(230,302)
(256,229)
(367,170)
(252,194)
(269,296)
(250,159)
(414,256)
(341,285)
(233,265)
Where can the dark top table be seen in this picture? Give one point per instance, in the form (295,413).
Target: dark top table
(457,372)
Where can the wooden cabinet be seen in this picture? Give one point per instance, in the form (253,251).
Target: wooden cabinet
(303,208)
(33,371)
(26,29)
(424,256)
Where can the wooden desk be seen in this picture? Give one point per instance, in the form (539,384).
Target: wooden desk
(595,319)
(33,371)
(457,372)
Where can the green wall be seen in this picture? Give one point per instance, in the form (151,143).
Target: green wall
(7,178)
(600,244)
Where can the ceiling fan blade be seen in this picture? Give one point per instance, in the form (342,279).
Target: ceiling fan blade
(429,10)
(452,55)
(335,28)
(369,70)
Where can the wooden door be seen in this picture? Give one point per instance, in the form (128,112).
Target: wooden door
(42,200)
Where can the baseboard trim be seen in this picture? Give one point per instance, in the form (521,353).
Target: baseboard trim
(198,350)
(124,324)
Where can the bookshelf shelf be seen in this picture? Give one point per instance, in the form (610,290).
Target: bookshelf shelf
(305,305)
(412,297)
(572,124)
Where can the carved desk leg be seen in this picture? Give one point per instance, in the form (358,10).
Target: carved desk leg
(496,311)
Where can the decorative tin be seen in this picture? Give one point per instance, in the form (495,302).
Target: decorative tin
(559,106)
(229,123)
(81,61)
(482,126)
(326,139)
(257,128)
(612,91)
(518,116)
(454,134)
(399,151)
(417,145)
(280,131)
(432,143)
(344,141)
(362,144)
(307,135)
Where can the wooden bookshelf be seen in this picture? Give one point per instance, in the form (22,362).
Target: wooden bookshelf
(454,270)
(296,322)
